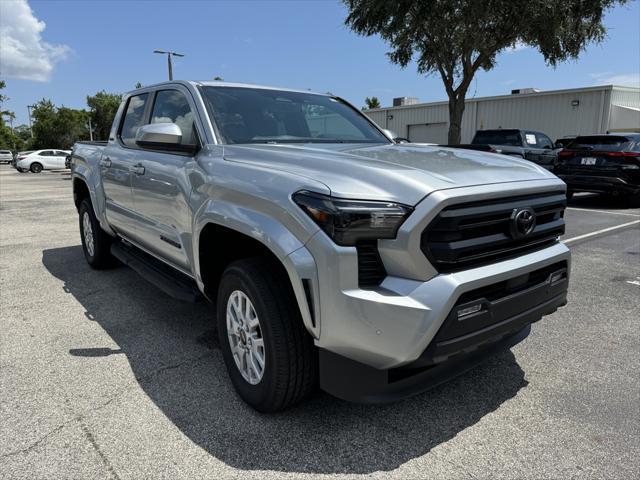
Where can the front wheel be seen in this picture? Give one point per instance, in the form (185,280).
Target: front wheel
(36,167)
(96,243)
(269,355)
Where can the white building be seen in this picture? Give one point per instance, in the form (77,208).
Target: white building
(558,113)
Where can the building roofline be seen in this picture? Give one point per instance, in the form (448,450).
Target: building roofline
(519,95)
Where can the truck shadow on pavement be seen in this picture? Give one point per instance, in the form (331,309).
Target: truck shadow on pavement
(175,358)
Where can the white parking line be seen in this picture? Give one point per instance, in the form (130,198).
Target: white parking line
(604,211)
(598,232)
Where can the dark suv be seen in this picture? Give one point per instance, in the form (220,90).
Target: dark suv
(602,163)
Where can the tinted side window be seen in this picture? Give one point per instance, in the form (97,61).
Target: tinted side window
(133,119)
(47,153)
(496,137)
(544,141)
(171,106)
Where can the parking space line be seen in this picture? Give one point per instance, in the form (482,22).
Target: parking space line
(599,232)
(604,211)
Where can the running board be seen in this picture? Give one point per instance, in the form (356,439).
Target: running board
(169,280)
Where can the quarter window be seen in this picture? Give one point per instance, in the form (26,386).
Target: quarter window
(171,106)
(133,119)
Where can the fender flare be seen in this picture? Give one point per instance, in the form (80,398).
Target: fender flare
(284,245)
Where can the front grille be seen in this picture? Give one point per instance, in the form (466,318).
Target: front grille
(370,267)
(478,233)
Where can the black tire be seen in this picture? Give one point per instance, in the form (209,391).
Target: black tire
(569,194)
(36,167)
(291,367)
(99,256)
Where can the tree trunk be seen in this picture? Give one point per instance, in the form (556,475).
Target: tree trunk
(456,109)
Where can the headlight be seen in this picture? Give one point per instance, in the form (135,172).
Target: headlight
(348,222)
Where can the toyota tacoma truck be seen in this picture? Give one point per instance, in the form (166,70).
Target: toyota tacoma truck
(334,256)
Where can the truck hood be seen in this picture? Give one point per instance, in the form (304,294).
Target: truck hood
(402,173)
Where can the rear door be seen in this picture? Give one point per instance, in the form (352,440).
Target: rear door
(546,155)
(531,150)
(161,188)
(117,165)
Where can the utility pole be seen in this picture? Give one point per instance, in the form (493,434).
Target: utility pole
(90,130)
(169,64)
(29,107)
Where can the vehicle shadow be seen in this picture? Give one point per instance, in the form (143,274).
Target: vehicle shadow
(175,357)
(605,202)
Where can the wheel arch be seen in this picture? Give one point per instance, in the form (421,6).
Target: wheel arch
(218,245)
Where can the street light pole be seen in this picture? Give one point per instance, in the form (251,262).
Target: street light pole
(169,63)
(29,107)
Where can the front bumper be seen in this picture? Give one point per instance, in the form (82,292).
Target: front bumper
(507,311)
(392,325)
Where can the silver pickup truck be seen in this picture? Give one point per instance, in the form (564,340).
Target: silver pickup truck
(334,256)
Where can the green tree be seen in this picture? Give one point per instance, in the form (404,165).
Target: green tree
(370,103)
(58,127)
(456,38)
(103,108)
(8,139)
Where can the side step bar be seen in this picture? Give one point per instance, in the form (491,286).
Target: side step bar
(170,281)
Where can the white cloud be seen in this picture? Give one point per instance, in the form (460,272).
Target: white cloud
(23,53)
(517,47)
(608,78)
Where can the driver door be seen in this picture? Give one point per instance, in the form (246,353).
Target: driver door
(161,189)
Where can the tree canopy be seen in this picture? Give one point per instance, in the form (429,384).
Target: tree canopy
(58,127)
(372,102)
(104,107)
(456,38)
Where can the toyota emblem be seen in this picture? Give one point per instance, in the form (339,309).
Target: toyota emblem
(523,221)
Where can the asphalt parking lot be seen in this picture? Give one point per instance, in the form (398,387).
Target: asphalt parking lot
(103,376)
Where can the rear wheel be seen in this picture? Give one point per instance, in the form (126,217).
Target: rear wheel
(36,167)
(269,355)
(96,243)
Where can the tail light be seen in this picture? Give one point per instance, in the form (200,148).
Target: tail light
(565,153)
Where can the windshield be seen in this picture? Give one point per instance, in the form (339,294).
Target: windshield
(257,115)
(496,137)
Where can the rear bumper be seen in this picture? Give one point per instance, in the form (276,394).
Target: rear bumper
(599,184)
(459,344)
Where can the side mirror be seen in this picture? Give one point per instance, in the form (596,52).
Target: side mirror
(162,136)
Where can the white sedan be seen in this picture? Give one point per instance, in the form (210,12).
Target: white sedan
(42,160)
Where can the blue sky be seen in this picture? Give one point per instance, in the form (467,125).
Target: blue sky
(88,46)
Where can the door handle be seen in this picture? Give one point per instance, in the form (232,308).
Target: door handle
(137,169)
(105,162)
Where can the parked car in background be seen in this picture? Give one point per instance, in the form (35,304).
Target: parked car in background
(534,146)
(19,156)
(42,160)
(6,156)
(607,164)
(332,253)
